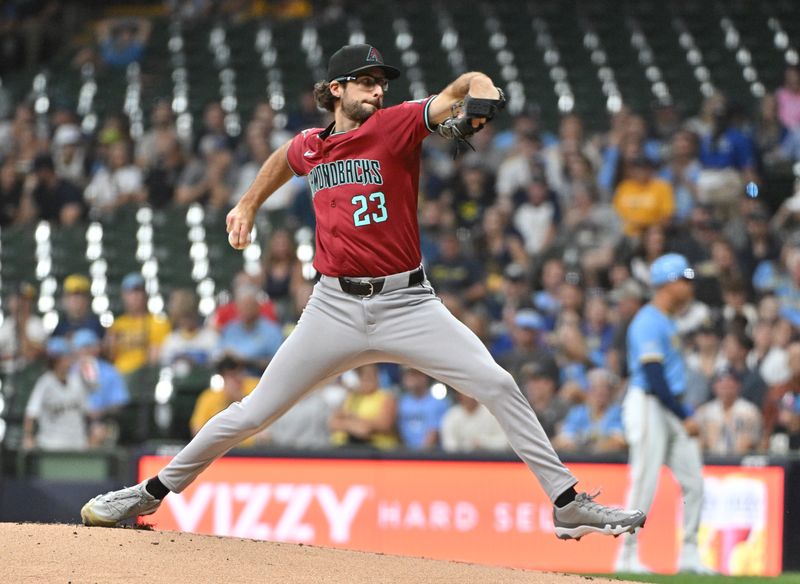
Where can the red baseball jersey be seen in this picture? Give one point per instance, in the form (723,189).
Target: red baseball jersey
(364,186)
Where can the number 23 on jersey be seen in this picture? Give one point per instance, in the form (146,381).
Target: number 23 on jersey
(364,213)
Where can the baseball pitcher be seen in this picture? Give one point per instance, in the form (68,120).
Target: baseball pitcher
(373,302)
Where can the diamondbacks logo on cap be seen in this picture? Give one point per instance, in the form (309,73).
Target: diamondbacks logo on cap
(374,56)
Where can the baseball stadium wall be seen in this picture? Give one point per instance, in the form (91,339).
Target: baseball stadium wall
(484,511)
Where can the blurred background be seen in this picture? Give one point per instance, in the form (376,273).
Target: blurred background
(128,130)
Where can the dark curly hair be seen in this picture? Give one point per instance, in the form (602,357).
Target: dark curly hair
(323,96)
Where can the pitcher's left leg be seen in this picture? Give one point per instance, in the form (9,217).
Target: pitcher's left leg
(419,331)
(416,329)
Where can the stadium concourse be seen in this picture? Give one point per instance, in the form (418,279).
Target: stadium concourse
(632,129)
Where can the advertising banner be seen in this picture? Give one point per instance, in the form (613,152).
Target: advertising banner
(482,512)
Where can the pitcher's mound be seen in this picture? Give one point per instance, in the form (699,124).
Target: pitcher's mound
(73,553)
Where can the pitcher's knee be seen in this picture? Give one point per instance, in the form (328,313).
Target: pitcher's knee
(494,385)
(505,381)
(249,420)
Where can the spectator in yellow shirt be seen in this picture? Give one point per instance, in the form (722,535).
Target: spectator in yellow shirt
(642,200)
(136,336)
(235,385)
(368,415)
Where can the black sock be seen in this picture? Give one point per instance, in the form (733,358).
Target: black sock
(156,488)
(566,497)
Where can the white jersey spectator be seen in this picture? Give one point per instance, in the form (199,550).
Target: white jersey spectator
(468,427)
(55,416)
(117,183)
(729,425)
(534,219)
(305,425)
(69,155)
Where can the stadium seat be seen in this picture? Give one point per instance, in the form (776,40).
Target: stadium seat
(136,421)
(186,389)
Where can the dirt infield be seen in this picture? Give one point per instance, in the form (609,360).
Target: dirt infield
(61,554)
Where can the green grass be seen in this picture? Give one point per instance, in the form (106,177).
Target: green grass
(793,578)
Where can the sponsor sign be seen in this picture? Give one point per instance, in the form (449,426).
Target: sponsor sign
(482,512)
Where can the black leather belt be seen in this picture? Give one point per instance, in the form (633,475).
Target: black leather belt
(372,287)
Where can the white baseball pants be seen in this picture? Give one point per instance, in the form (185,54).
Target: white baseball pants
(339,331)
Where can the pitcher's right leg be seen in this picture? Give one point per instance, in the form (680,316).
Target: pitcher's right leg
(330,334)
(329,338)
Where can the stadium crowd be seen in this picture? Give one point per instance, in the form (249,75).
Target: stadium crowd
(539,241)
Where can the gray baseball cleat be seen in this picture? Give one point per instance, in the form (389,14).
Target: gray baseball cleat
(115,506)
(584,516)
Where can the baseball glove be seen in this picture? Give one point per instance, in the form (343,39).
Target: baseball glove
(459,128)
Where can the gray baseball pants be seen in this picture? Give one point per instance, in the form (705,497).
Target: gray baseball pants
(339,331)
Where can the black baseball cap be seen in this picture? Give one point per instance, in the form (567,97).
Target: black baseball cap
(352,59)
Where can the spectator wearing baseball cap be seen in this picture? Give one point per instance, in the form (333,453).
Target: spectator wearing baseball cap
(55,412)
(729,425)
(105,386)
(22,332)
(526,339)
(76,308)
(136,336)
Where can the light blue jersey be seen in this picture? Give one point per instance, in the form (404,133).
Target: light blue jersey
(653,336)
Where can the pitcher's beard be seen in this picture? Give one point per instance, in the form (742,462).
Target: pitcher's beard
(357,111)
